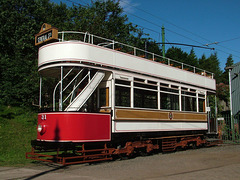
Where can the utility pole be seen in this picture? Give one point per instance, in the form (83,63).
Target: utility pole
(230,93)
(163,41)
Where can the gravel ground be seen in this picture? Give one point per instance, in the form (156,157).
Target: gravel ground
(221,162)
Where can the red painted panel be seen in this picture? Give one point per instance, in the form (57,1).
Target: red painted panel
(75,127)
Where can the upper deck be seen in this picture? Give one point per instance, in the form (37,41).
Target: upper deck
(111,54)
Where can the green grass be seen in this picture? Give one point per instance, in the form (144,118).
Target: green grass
(17,129)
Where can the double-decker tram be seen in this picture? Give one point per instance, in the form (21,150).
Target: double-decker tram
(102,98)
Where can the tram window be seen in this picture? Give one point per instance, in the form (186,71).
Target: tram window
(122,82)
(138,79)
(147,86)
(165,85)
(201,105)
(103,97)
(145,99)
(152,82)
(169,101)
(174,87)
(169,90)
(189,93)
(122,96)
(184,89)
(201,95)
(189,103)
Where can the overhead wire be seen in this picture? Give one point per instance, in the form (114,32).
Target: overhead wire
(165,20)
(181,28)
(86,4)
(161,27)
(228,40)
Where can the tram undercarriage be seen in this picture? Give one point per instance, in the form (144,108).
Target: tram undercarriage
(67,153)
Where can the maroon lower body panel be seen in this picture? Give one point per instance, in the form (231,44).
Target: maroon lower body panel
(74,127)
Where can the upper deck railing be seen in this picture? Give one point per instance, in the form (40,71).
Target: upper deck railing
(115,45)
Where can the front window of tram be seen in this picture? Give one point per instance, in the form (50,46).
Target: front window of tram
(74,81)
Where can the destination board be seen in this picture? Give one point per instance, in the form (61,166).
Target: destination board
(46,34)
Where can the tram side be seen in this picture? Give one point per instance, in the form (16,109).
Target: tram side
(138,102)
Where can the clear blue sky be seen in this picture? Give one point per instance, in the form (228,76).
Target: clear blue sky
(195,22)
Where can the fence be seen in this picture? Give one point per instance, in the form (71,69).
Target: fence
(228,129)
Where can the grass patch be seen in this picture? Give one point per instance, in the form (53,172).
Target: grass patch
(17,129)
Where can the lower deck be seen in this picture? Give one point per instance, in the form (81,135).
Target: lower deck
(99,127)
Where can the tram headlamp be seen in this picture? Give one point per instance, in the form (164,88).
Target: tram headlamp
(41,128)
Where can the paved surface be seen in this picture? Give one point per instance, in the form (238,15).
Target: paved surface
(222,162)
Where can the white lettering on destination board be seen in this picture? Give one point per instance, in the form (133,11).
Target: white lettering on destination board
(44,37)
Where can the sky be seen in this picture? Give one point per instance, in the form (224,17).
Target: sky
(193,22)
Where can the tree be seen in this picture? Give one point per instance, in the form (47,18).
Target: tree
(102,18)
(225,78)
(21,20)
(211,64)
(192,59)
(176,54)
(17,53)
(202,62)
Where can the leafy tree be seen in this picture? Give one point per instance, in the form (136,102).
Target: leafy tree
(21,20)
(102,18)
(229,62)
(17,53)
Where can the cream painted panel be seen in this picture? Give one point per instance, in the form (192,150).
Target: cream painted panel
(74,51)
(157,126)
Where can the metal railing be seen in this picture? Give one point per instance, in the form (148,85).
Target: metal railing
(64,89)
(107,43)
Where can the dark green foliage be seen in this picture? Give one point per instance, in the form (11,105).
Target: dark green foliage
(18,80)
(192,59)
(225,75)
(22,19)
(177,54)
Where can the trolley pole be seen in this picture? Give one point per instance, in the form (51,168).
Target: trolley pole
(163,41)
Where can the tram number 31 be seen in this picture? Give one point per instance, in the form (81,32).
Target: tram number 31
(44,117)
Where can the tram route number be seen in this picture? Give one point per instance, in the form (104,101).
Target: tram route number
(44,117)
